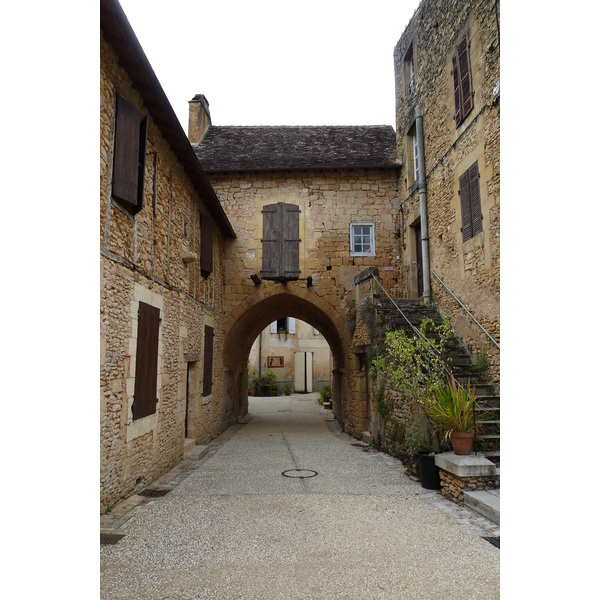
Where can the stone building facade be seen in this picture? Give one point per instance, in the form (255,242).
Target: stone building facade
(334,191)
(162,243)
(296,352)
(447,69)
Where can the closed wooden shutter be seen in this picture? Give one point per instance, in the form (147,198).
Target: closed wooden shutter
(476,216)
(470,202)
(291,241)
(206,249)
(126,154)
(465,205)
(146,361)
(209,334)
(271,239)
(281,241)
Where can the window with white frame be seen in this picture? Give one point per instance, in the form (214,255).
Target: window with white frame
(362,239)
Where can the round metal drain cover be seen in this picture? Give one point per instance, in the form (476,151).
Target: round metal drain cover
(299,473)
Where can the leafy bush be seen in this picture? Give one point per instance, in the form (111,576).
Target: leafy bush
(324,394)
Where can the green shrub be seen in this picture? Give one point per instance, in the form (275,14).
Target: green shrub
(324,394)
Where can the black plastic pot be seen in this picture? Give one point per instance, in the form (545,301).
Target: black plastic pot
(430,473)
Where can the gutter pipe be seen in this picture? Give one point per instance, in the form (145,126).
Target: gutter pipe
(423,207)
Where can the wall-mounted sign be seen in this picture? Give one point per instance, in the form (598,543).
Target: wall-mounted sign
(274,362)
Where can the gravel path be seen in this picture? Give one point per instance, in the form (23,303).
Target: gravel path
(236,528)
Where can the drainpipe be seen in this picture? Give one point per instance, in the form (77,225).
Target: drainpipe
(423,206)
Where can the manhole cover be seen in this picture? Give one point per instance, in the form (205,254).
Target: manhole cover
(495,541)
(110,538)
(153,493)
(299,473)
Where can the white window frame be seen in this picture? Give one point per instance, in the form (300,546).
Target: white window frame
(415,157)
(371,227)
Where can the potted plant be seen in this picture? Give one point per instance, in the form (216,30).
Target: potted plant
(421,446)
(271,381)
(450,409)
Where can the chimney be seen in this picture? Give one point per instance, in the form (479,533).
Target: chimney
(199,118)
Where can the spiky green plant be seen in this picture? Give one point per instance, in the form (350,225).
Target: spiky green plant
(450,408)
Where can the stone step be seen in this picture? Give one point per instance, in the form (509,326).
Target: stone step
(484,502)
(197,452)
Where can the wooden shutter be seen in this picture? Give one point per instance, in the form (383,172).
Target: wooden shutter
(291,241)
(146,361)
(457,101)
(141,163)
(476,217)
(126,154)
(209,334)
(463,88)
(274,327)
(206,248)
(464,66)
(470,202)
(465,205)
(271,241)
(281,241)
(291,325)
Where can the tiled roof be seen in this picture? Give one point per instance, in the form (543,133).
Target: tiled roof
(287,147)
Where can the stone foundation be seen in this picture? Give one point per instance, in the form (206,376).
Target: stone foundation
(464,473)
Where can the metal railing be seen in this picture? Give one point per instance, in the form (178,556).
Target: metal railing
(466,309)
(430,348)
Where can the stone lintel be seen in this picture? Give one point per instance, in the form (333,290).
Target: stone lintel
(465,466)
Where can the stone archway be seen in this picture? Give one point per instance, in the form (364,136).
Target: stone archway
(249,318)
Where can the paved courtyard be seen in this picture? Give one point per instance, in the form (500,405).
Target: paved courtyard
(233,526)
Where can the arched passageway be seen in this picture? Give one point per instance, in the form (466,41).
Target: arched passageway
(250,317)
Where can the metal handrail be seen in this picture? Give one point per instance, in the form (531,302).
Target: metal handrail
(431,349)
(466,309)
(427,341)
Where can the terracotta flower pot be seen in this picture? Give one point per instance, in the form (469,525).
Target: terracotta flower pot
(462,443)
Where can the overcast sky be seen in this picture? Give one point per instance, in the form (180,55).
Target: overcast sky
(270,62)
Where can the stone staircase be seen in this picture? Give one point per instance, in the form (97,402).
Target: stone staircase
(462,367)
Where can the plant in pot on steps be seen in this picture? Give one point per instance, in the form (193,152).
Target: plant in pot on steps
(450,409)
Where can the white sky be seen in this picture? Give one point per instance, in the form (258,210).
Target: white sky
(269,62)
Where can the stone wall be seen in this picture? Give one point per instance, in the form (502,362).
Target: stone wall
(470,269)
(142,260)
(453,486)
(329,201)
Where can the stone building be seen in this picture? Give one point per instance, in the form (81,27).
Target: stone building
(296,352)
(162,242)
(312,207)
(447,70)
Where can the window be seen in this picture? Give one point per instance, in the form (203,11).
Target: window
(470,202)
(463,88)
(129,156)
(146,362)
(409,71)
(287,324)
(209,336)
(415,146)
(206,246)
(281,241)
(362,239)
